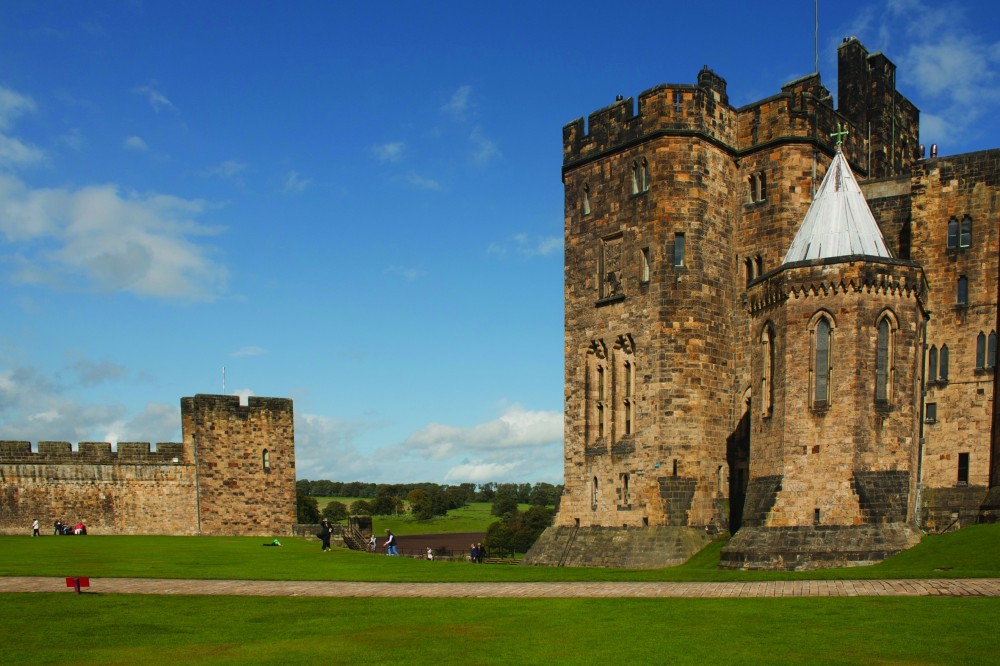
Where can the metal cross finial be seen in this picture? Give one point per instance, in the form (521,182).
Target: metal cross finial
(840,134)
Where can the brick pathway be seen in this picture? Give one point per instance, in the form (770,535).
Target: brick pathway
(958,587)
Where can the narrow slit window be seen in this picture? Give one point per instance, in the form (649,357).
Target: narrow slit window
(586,199)
(265,460)
(932,364)
(645,264)
(943,365)
(626,493)
(965,238)
(635,178)
(991,351)
(952,234)
(593,499)
(767,358)
(963,290)
(644,176)
(963,469)
(678,249)
(981,351)
(882,360)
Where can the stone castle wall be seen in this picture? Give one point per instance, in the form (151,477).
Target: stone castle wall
(128,491)
(213,483)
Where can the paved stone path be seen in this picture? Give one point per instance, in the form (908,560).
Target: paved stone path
(958,587)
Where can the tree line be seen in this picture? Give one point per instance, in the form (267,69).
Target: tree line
(424,500)
(526,493)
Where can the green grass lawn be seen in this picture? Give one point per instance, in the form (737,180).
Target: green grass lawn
(970,552)
(94,628)
(123,629)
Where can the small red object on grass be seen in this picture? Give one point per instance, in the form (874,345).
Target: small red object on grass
(76,582)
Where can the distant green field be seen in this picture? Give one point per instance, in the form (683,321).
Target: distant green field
(971,552)
(475,517)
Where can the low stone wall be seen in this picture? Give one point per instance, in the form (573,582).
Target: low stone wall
(816,547)
(630,548)
(946,509)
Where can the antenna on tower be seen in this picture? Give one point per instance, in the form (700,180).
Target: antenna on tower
(223,380)
(815,35)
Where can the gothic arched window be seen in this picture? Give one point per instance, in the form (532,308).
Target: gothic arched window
(821,360)
(952,234)
(943,365)
(883,359)
(932,364)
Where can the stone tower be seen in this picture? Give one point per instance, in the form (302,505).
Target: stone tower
(839,329)
(244,457)
(679,213)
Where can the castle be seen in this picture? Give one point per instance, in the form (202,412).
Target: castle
(233,474)
(780,322)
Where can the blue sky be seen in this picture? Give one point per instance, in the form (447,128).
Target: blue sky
(357,206)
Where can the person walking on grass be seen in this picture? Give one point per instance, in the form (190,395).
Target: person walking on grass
(325,530)
(34,527)
(390,544)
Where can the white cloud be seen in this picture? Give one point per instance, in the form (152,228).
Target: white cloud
(409,274)
(244,394)
(250,350)
(34,408)
(389,152)
(423,183)
(294,183)
(13,105)
(100,238)
(325,448)
(459,103)
(135,143)
(528,246)
(228,170)
(155,98)
(516,428)
(484,150)
(13,151)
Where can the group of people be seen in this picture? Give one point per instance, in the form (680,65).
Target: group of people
(62,529)
(477,553)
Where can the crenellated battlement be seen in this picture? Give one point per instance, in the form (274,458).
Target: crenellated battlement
(669,108)
(802,112)
(63,453)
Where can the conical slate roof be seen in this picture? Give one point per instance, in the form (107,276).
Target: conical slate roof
(838,222)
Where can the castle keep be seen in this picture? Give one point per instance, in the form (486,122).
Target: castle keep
(233,474)
(781,322)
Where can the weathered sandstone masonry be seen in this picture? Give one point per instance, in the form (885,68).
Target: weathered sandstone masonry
(233,474)
(679,209)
